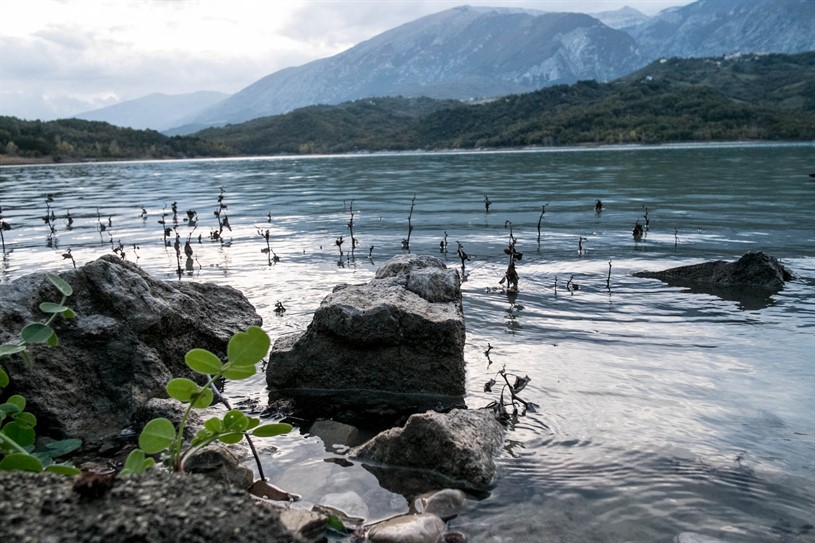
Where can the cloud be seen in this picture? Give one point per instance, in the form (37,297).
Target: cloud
(79,53)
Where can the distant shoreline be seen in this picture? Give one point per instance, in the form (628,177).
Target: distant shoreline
(6,160)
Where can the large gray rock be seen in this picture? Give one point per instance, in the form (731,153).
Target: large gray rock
(128,340)
(459,445)
(753,270)
(396,341)
(157,506)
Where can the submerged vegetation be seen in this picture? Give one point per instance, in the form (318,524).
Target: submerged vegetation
(749,97)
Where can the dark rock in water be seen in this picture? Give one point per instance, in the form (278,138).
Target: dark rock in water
(396,341)
(128,340)
(754,270)
(156,506)
(459,445)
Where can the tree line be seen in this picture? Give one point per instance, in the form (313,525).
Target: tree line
(747,97)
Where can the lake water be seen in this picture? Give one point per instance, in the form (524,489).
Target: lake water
(662,410)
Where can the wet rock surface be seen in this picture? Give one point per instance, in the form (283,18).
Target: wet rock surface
(218,462)
(421,528)
(753,270)
(460,446)
(153,508)
(128,340)
(395,342)
(445,504)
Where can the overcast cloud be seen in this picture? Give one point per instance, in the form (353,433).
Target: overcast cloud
(63,57)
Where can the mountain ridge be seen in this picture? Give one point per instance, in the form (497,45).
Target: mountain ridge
(472,53)
(745,97)
(157,111)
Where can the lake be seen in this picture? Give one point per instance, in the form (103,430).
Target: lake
(663,410)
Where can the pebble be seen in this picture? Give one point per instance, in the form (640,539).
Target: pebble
(421,528)
(445,503)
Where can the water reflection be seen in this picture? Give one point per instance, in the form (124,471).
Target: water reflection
(620,383)
(746,298)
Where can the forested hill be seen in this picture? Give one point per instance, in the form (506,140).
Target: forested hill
(75,139)
(767,97)
(751,97)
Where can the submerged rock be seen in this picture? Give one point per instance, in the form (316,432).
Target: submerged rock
(128,340)
(459,445)
(397,341)
(690,537)
(754,270)
(422,528)
(446,503)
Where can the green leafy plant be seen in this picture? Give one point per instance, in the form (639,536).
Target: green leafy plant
(159,436)
(17,434)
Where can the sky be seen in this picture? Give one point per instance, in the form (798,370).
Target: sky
(59,58)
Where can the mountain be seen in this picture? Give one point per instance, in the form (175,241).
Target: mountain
(747,97)
(741,97)
(156,111)
(469,53)
(461,53)
(709,28)
(625,17)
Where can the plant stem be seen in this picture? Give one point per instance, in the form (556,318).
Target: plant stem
(224,401)
(13,444)
(176,458)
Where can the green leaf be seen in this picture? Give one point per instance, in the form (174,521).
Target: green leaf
(214,425)
(204,399)
(62,447)
(235,421)
(134,463)
(271,430)
(8,409)
(202,437)
(231,438)
(63,287)
(50,307)
(63,469)
(36,332)
(8,349)
(20,462)
(17,400)
(252,422)
(249,347)
(158,434)
(4,380)
(53,341)
(69,313)
(335,524)
(26,419)
(203,361)
(237,373)
(182,389)
(20,433)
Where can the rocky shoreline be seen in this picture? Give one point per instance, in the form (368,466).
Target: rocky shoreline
(395,343)
(106,379)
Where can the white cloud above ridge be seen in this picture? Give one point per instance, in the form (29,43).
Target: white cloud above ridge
(78,55)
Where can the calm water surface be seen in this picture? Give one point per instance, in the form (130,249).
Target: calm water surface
(662,410)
